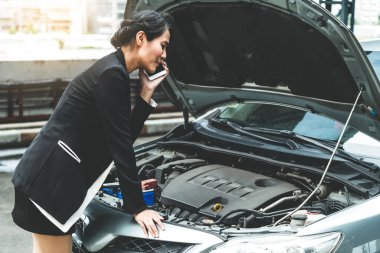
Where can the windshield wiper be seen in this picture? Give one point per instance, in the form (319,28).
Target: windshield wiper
(240,129)
(292,135)
(289,134)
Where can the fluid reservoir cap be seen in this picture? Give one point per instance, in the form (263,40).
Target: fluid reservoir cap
(217,207)
(298,219)
(299,216)
(207,222)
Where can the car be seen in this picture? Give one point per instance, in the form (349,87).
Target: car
(372,49)
(283,154)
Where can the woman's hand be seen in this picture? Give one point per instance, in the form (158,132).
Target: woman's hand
(147,86)
(147,220)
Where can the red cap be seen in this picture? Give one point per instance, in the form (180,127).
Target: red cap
(148,184)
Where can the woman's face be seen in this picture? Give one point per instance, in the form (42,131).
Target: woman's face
(153,52)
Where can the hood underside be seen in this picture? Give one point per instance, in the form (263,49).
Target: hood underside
(231,45)
(294,48)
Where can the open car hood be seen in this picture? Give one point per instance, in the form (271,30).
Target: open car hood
(283,51)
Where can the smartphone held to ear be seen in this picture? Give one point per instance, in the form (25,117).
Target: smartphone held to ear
(160,71)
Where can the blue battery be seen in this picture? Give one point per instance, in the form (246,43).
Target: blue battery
(118,194)
(109,191)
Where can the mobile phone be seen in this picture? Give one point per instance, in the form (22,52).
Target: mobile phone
(160,71)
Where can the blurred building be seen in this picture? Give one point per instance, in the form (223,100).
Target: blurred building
(367,12)
(7,17)
(104,16)
(56,16)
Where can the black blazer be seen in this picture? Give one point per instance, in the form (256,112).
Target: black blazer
(93,119)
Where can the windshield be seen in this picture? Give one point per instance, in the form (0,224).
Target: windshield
(302,122)
(374,58)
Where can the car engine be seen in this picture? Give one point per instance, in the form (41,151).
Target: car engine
(200,189)
(215,190)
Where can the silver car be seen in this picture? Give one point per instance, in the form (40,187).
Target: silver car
(284,151)
(372,49)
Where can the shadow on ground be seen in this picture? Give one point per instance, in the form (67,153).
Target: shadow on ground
(12,238)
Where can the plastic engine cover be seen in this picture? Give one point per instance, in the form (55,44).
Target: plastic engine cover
(200,189)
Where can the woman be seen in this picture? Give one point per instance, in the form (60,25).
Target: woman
(91,126)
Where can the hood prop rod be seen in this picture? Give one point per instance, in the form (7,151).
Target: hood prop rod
(185,113)
(185,118)
(328,164)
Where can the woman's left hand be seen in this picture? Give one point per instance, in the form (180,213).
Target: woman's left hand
(148,219)
(147,86)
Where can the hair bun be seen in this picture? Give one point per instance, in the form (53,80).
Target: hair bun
(151,22)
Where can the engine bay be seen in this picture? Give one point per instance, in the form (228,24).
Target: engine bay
(202,184)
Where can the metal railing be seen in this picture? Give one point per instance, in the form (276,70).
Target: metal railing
(36,101)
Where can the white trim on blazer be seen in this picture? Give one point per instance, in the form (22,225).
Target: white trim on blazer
(68,150)
(91,192)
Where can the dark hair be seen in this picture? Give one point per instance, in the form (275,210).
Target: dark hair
(151,22)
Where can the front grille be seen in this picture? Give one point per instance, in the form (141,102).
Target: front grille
(76,249)
(77,244)
(144,245)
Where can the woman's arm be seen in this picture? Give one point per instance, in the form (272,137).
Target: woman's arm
(112,97)
(144,106)
(139,115)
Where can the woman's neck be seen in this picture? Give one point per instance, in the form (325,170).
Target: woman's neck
(130,57)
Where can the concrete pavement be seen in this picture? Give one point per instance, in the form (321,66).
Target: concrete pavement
(12,238)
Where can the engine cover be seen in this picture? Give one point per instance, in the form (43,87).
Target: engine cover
(200,189)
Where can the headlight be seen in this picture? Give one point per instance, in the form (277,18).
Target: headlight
(269,243)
